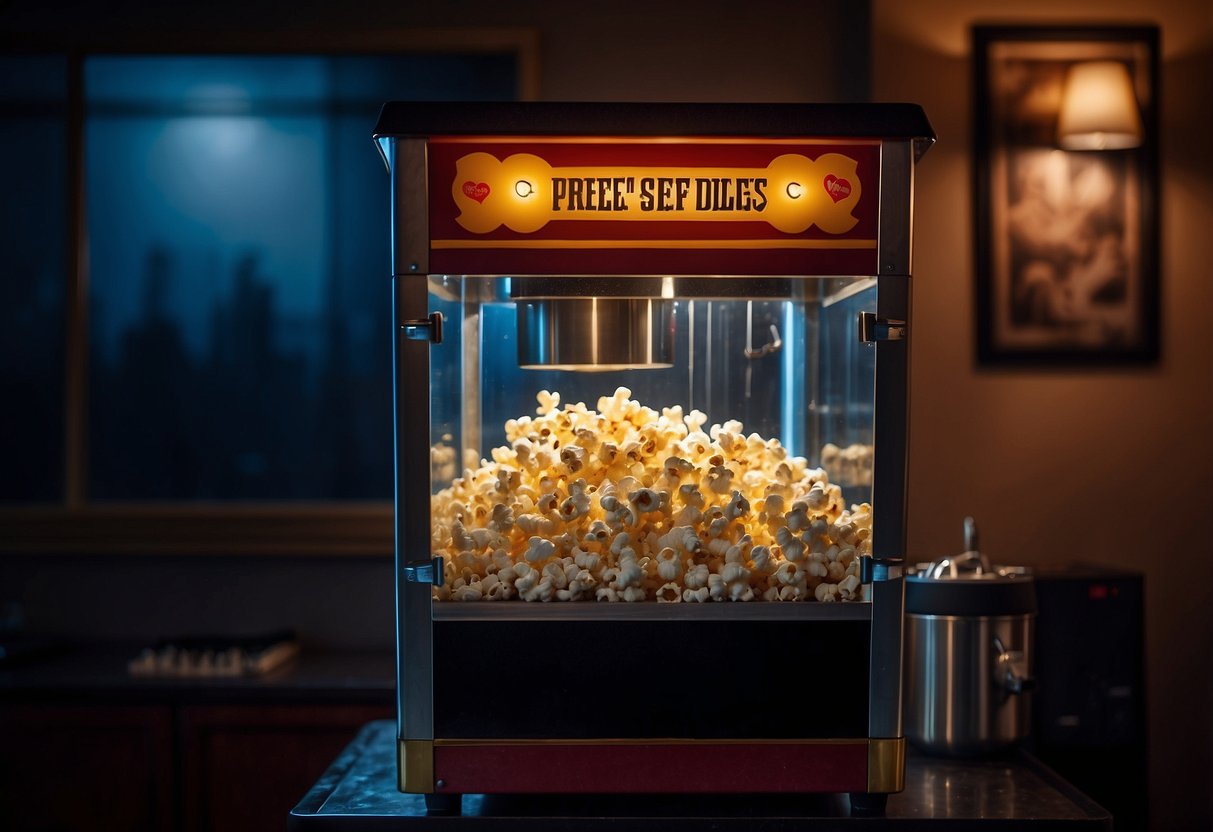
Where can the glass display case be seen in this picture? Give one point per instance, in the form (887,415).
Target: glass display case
(646,355)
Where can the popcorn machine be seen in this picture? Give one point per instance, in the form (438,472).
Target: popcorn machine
(650,404)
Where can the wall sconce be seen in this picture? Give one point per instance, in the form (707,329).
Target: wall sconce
(1066,243)
(1098,108)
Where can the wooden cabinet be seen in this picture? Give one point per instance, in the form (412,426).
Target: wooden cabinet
(85,746)
(188,767)
(84,767)
(246,768)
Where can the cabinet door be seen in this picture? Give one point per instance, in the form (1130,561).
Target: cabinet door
(247,766)
(85,767)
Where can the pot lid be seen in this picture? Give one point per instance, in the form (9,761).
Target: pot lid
(966,584)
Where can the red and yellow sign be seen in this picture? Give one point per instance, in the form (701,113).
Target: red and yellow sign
(643,206)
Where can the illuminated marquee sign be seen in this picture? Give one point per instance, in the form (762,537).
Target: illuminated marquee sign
(524,193)
(707,207)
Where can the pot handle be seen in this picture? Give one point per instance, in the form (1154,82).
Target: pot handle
(971,558)
(1009,671)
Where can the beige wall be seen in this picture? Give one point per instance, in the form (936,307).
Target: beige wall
(708,50)
(1113,466)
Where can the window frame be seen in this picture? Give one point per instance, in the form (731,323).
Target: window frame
(74,525)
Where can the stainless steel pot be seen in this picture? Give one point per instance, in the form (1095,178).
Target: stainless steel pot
(969,631)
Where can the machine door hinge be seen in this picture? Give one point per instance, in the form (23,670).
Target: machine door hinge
(426,573)
(425,329)
(879,569)
(872,328)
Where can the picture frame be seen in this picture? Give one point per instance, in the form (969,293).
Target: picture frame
(1065,240)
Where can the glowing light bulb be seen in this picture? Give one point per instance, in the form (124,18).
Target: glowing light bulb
(795,190)
(523,188)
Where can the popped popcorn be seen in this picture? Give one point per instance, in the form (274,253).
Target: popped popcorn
(626,504)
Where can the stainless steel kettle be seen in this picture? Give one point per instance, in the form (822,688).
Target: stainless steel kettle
(969,632)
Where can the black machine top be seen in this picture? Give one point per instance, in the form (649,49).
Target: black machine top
(418,119)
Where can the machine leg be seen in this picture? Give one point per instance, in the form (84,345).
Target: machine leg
(443,804)
(868,803)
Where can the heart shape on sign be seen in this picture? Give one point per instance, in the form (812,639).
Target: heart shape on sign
(838,189)
(476,190)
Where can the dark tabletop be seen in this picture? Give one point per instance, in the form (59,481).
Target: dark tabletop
(1016,791)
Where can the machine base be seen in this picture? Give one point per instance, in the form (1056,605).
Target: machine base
(653,767)
(863,804)
(446,769)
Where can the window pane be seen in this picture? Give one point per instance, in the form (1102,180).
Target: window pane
(33,234)
(238,247)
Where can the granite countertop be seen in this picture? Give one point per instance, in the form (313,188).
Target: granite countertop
(1016,791)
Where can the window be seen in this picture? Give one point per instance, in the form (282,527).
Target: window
(233,367)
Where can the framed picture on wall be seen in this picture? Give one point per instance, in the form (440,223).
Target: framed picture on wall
(1066,195)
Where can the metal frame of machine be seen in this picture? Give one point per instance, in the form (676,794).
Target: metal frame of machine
(870,762)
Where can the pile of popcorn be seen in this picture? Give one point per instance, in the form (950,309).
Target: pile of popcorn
(628,504)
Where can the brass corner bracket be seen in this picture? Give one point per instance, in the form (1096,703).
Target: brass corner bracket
(415,766)
(887,765)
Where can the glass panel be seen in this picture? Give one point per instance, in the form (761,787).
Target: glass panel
(846,389)
(238,249)
(789,368)
(33,234)
(724,437)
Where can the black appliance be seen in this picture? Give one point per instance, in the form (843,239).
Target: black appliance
(1089,716)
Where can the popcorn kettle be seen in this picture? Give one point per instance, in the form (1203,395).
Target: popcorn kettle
(969,632)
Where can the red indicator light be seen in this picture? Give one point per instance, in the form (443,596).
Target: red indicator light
(1097,592)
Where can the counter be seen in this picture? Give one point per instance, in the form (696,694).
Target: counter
(91,673)
(358,792)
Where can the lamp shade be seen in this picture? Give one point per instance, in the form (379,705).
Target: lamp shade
(1098,108)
